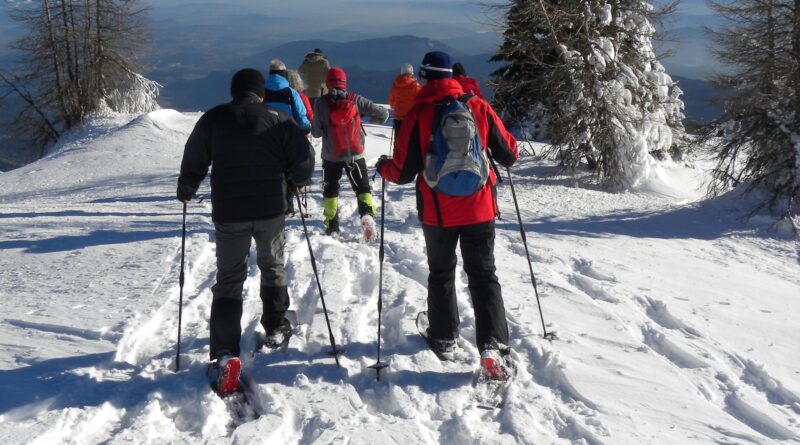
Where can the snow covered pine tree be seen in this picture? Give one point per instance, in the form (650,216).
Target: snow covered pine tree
(758,138)
(589,73)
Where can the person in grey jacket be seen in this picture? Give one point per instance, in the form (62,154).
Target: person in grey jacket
(255,151)
(352,163)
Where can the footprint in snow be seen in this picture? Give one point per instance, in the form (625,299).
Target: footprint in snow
(587,268)
(658,312)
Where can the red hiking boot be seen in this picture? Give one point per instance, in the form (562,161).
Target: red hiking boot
(493,366)
(228,370)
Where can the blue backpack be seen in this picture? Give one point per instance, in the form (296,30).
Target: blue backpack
(456,163)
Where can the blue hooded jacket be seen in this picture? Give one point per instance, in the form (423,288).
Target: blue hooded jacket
(283,98)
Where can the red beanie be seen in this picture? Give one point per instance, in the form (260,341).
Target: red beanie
(336,78)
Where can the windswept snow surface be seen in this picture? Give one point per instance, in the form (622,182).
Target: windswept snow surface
(677,322)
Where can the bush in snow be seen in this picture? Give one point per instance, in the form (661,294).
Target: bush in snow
(131,94)
(78,58)
(588,70)
(757,140)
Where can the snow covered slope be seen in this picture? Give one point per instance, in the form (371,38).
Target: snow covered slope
(676,321)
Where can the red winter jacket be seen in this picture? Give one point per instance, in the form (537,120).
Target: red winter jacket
(469,85)
(411,146)
(307,104)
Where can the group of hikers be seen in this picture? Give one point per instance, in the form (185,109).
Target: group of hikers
(259,144)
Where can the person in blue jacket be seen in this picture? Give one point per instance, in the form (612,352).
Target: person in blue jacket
(280,96)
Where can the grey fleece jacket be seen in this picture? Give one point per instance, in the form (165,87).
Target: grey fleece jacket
(319,127)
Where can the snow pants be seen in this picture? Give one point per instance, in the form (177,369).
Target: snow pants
(359,179)
(233,252)
(477,251)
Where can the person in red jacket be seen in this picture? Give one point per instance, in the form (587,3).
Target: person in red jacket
(448,219)
(469,84)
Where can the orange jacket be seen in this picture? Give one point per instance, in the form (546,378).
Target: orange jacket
(401,98)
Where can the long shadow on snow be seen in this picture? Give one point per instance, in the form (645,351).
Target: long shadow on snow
(105,184)
(691,222)
(84,214)
(56,382)
(94,238)
(135,199)
(282,368)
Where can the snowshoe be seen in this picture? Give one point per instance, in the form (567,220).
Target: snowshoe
(495,375)
(279,337)
(444,349)
(494,366)
(368,225)
(228,369)
(333,227)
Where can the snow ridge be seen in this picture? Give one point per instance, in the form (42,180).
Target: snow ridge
(660,338)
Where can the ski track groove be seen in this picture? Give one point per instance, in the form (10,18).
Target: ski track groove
(704,376)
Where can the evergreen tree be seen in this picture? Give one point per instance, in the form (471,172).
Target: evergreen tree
(757,140)
(587,70)
(78,58)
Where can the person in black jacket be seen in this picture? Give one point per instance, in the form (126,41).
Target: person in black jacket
(255,151)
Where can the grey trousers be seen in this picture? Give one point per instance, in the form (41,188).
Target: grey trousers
(233,252)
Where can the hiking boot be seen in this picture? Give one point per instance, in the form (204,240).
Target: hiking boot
(443,348)
(368,224)
(495,365)
(278,336)
(228,369)
(333,227)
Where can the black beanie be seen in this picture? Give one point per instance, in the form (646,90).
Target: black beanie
(458,70)
(436,65)
(247,80)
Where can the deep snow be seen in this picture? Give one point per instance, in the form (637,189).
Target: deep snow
(676,319)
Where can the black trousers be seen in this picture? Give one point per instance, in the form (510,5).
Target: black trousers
(477,251)
(357,175)
(233,250)
(396,124)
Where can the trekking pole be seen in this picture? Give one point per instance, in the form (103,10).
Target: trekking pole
(305,201)
(378,363)
(335,352)
(180,284)
(547,336)
(391,141)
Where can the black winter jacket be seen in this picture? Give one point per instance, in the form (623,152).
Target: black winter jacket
(253,151)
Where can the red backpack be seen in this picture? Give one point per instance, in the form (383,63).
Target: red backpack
(345,126)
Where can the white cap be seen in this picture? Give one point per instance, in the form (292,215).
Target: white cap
(407,68)
(277,65)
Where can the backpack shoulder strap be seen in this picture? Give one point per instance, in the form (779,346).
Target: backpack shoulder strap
(466,97)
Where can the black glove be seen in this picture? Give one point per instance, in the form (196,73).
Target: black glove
(382,160)
(185,192)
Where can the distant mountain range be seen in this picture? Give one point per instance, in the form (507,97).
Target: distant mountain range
(371,67)
(376,54)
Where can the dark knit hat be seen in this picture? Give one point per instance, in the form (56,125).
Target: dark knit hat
(435,65)
(336,78)
(458,70)
(247,80)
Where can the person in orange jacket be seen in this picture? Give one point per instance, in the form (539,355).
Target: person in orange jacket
(401,97)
